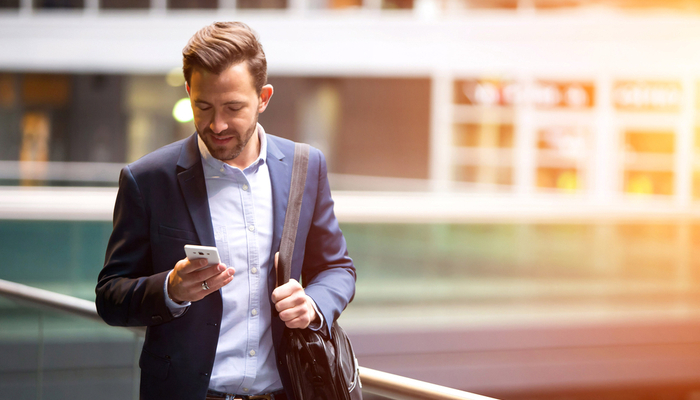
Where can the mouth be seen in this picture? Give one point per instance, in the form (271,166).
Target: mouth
(221,140)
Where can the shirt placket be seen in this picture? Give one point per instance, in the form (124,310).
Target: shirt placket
(253,281)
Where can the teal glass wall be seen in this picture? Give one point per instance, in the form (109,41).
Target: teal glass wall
(66,256)
(422,276)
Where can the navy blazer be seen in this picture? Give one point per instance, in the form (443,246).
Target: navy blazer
(162,205)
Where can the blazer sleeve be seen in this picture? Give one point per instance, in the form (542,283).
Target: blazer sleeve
(128,293)
(328,272)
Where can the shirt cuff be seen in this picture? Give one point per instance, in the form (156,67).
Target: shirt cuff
(319,322)
(176,309)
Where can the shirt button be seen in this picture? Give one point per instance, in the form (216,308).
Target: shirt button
(245,390)
(251,228)
(254,312)
(222,168)
(252,353)
(253,270)
(245,187)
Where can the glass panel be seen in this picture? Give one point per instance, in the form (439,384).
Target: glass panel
(505,4)
(696,159)
(397,4)
(345,3)
(484,135)
(8,91)
(492,175)
(10,117)
(65,256)
(20,345)
(649,158)
(125,4)
(650,142)
(62,118)
(649,182)
(46,90)
(354,121)
(649,251)
(261,4)
(462,258)
(56,355)
(558,178)
(694,255)
(179,4)
(562,154)
(59,3)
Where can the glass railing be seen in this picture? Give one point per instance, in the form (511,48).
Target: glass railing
(57,344)
(48,354)
(439,302)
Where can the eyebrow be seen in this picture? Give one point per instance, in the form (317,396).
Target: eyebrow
(232,102)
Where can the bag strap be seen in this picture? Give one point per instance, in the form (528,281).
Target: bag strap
(291,219)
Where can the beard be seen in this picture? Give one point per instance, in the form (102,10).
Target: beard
(228,151)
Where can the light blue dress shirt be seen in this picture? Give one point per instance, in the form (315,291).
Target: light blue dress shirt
(240,202)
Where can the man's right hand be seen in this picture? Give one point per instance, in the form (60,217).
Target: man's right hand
(185,283)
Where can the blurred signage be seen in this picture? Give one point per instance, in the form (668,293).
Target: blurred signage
(543,94)
(647,95)
(547,94)
(567,141)
(487,92)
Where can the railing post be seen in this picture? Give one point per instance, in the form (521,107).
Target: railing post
(40,359)
(136,372)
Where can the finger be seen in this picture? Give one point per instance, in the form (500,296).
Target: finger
(286,290)
(292,313)
(182,265)
(196,289)
(190,266)
(298,323)
(207,273)
(293,301)
(220,280)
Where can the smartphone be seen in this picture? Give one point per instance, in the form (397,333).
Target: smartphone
(195,252)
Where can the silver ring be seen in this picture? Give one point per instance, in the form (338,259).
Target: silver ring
(205,286)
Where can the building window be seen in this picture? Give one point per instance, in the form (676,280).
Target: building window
(648,162)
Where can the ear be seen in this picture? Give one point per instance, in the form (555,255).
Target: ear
(265,95)
(187,87)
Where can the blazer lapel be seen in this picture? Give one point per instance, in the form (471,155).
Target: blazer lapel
(194,190)
(280,168)
(280,178)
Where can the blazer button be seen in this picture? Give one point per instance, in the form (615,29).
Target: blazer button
(156,318)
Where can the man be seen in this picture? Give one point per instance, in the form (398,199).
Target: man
(215,332)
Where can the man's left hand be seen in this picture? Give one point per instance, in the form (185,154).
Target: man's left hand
(295,308)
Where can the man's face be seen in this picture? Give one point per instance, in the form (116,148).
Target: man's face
(226,108)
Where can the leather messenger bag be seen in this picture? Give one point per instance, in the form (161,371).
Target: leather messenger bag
(320,367)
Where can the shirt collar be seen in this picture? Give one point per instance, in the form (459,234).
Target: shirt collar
(209,161)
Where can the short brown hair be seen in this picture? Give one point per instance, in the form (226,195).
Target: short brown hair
(220,45)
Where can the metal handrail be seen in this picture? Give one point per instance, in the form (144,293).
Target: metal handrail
(400,387)
(373,381)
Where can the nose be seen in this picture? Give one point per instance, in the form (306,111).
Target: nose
(218,124)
